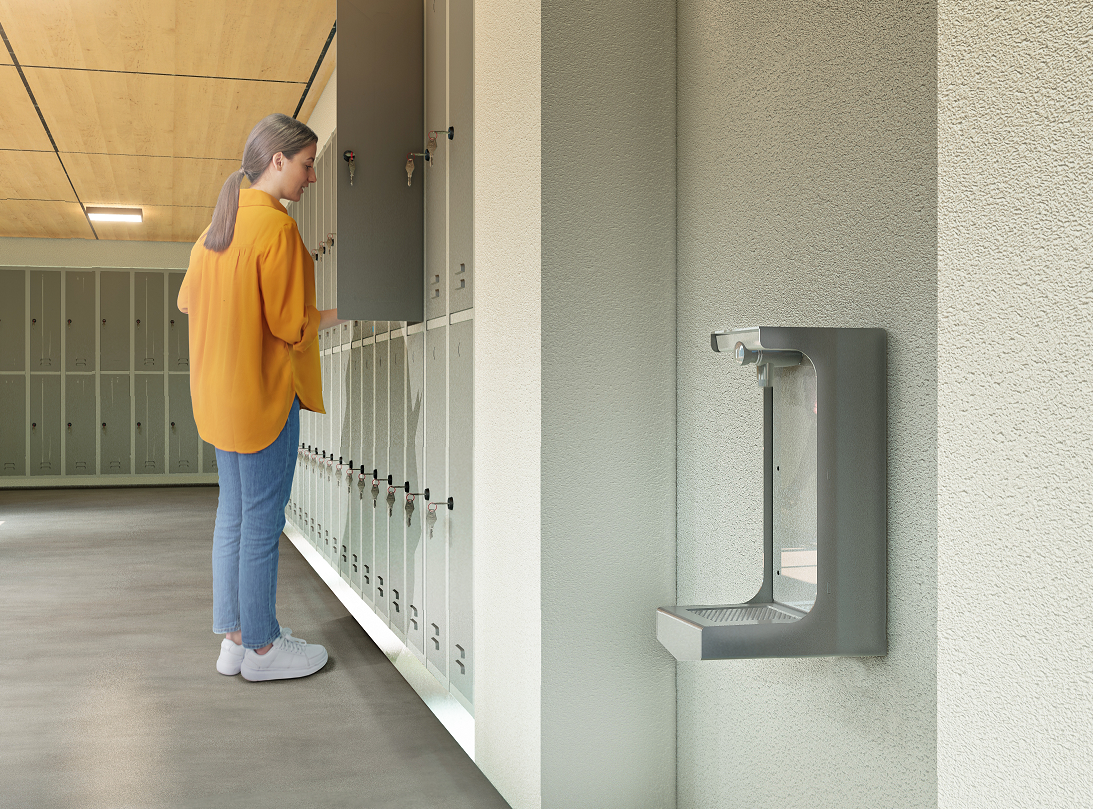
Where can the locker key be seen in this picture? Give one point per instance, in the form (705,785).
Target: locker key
(409,509)
(390,500)
(430,520)
(409,169)
(350,158)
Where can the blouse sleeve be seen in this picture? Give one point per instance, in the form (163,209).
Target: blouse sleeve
(282,278)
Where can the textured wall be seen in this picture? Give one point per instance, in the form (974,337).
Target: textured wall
(807,188)
(507,390)
(74,253)
(608,430)
(1015,651)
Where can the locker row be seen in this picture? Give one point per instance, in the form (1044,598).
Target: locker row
(399,405)
(91,320)
(105,424)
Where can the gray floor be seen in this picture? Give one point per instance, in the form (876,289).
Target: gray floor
(109,696)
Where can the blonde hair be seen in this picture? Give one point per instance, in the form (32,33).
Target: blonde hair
(274,133)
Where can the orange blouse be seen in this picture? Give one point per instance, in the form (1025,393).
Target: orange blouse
(253,328)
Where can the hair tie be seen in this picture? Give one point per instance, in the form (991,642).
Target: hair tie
(242,171)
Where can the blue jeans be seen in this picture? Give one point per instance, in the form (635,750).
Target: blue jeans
(254,490)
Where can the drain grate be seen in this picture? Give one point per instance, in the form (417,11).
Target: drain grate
(743,615)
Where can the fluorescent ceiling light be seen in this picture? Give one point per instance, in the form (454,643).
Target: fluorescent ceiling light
(115,214)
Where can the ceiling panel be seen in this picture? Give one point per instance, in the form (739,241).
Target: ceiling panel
(160,225)
(120,113)
(130,180)
(33,175)
(262,39)
(19,124)
(45,220)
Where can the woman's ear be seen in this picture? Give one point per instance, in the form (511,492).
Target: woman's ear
(279,161)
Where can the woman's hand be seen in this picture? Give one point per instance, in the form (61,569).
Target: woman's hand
(328,318)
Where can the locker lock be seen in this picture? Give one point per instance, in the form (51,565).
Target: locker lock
(138,425)
(434,506)
(104,425)
(33,425)
(138,321)
(172,323)
(172,425)
(70,425)
(34,320)
(104,321)
(70,321)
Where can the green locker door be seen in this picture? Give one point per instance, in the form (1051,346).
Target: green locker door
(460,531)
(79,328)
(13,447)
(148,414)
(45,422)
(396,524)
(148,338)
(80,426)
(461,151)
(381,587)
(435,173)
(178,327)
(114,321)
(369,463)
(415,473)
(208,458)
(45,321)
(13,323)
(115,409)
(183,431)
(436,540)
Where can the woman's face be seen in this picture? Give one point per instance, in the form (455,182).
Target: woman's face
(296,173)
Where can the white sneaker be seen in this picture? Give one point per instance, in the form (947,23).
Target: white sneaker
(290,657)
(231,657)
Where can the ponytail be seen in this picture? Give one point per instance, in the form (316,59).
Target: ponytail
(274,133)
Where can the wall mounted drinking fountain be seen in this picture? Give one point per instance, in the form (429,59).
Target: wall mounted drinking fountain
(824,585)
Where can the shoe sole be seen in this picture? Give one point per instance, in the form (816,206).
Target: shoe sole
(228,673)
(282,674)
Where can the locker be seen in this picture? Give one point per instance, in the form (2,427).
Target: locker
(324,447)
(148,302)
(370,454)
(113,321)
(324,227)
(45,322)
(359,487)
(436,545)
(208,458)
(435,172)
(80,426)
(396,523)
(148,416)
(79,327)
(345,451)
(115,410)
(380,585)
(339,522)
(178,327)
(13,404)
(183,431)
(45,418)
(460,530)
(461,151)
(13,313)
(415,465)
(359,483)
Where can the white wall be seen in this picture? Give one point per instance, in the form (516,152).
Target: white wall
(608,394)
(507,394)
(807,182)
(1015,667)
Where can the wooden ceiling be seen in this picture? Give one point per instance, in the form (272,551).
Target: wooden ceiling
(148,103)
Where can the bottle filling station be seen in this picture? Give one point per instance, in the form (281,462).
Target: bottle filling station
(824,588)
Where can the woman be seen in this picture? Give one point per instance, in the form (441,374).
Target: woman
(254,362)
